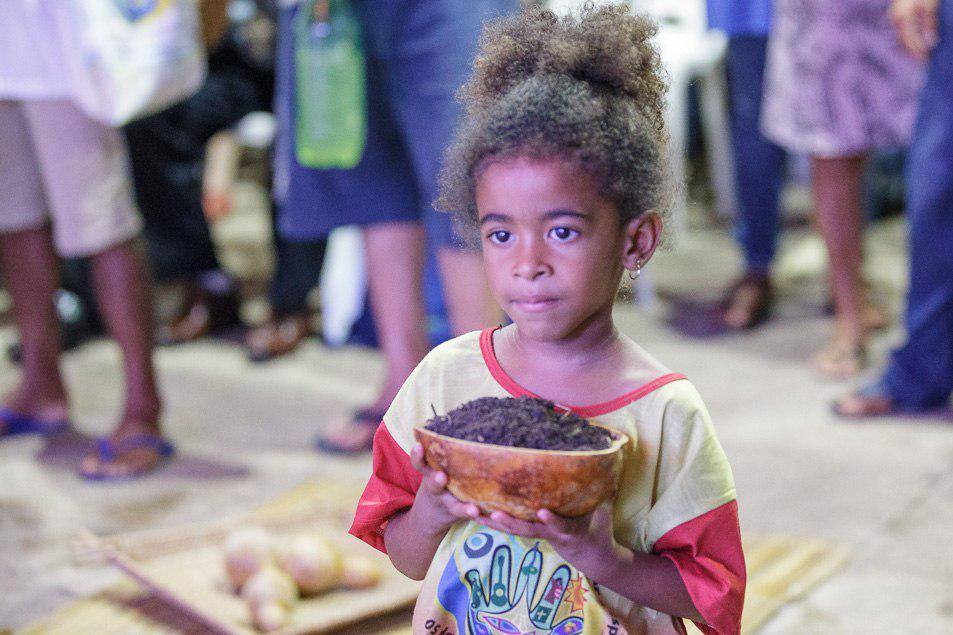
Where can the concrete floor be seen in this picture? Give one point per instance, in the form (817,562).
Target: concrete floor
(883,488)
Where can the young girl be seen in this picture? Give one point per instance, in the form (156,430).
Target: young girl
(559,165)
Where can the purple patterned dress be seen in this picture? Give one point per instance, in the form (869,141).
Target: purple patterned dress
(837,81)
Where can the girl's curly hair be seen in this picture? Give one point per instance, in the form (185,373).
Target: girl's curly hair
(586,87)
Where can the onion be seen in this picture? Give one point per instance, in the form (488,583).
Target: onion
(247,551)
(361,572)
(314,562)
(270,586)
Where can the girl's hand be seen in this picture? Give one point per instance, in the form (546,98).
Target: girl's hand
(586,541)
(435,508)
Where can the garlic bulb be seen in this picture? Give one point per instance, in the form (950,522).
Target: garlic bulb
(270,586)
(361,572)
(314,562)
(247,551)
(270,616)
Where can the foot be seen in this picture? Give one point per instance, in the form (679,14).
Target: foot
(205,313)
(135,449)
(874,317)
(46,414)
(748,302)
(277,337)
(842,358)
(857,406)
(872,401)
(353,434)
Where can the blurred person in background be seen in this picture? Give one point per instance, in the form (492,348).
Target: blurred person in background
(183,161)
(169,153)
(418,53)
(297,263)
(759,163)
(919,375)
(57,164)
(168,156)
(839,85)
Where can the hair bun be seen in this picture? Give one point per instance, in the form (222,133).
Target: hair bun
(607,47)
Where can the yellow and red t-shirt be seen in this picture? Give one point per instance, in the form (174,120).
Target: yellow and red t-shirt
(676,498)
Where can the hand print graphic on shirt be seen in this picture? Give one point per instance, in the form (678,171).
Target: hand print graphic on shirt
(503,598)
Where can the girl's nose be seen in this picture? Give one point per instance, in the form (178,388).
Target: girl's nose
(530,261)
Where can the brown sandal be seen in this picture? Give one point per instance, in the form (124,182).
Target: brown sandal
(748,302)
(277,337)
(204,313)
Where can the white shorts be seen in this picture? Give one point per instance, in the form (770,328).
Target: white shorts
(56,162)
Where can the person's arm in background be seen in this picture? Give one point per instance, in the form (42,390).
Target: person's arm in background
(916,24)
(214,21)
(222,154)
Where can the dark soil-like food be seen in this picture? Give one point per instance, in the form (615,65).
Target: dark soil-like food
(521,422)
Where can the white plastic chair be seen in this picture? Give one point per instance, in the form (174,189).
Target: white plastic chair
(690,52)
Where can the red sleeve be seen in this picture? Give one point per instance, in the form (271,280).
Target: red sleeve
(707,552)
(391,488)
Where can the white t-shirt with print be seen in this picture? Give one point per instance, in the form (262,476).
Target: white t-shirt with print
(31,57)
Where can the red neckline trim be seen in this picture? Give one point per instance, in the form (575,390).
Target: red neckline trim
(594,410)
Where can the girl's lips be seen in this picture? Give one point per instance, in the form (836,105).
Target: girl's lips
(535,304)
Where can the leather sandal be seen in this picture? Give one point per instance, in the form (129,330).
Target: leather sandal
(748,302)
(204,314)
(277,337)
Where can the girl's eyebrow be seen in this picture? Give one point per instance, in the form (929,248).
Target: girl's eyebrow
(556,213)
(494,217)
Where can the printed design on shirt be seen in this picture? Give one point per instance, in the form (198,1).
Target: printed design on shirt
(497,584)
(135,10)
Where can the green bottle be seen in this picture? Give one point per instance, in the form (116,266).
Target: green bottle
(330,85)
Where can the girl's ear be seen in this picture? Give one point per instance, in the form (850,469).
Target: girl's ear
(641,236)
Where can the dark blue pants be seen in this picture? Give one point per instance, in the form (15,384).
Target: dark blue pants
(920,374)
(759,163)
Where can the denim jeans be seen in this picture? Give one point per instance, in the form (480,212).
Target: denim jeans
(759,163)
(920,373)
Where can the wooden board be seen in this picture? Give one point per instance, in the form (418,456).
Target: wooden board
(197,578)
(180,571)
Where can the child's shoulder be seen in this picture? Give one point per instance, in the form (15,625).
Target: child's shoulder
(457,354)
(664,395)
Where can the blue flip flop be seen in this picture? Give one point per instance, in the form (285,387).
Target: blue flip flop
(108,451)
(17,423)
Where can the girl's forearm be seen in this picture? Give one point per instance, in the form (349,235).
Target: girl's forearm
(410,545)
(646,579)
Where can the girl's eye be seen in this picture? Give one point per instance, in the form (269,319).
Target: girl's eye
(563,233)
(500,236)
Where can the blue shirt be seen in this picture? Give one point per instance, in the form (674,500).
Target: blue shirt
(740,17)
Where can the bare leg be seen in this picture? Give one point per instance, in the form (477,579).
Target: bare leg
(470,303)
(395,262)
(31,272)
(122,291)
(837,198)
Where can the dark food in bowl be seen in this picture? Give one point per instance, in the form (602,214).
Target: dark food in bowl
(523,422)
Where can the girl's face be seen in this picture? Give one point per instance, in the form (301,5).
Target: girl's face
(553,247)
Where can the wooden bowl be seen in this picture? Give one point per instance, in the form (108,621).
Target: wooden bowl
(520,481)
